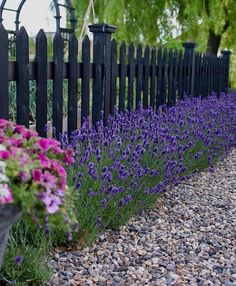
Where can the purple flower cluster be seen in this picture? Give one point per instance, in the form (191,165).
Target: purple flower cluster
(141,154)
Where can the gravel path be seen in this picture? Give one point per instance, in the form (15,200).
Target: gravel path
(189,239)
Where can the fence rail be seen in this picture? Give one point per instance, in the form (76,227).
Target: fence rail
(148,76)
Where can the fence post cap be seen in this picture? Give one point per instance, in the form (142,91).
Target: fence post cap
(226,53)
(102,28)
(189,45)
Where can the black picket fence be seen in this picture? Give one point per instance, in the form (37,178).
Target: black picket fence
(151,77)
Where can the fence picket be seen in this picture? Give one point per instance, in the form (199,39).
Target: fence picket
(139,75)
(123,73)
(114,73)
(153,77)
(41,83)
(146,63)
(207,74)
(196,83)
(22,79)
(175,77)
(4,99)
(180,76)
(85,79)
(72,84)
(159,78)
(131,75)
(210,72)
(218,67)
(57,108)
(204,77)
(164,77)
(170,78)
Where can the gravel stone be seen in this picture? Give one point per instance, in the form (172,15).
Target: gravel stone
(187,239)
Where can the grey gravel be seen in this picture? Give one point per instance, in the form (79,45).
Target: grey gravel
(188,239)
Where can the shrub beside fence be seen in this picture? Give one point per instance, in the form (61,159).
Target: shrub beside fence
(151,76)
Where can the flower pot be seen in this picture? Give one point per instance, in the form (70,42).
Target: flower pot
(9,214)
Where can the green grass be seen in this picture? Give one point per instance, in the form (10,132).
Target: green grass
(32,244)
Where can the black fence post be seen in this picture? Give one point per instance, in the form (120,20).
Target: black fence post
(189,68)
(226,56)
(4,97)
(101,58)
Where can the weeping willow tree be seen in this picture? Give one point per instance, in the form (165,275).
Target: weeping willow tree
(136,20)
(209,23)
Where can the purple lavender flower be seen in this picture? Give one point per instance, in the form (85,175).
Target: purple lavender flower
(98,221)
(19,260)
(125,201)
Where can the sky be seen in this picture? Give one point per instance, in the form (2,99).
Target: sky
(35,15)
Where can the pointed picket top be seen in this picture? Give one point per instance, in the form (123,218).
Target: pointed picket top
(131,47)
(153,59)
(113,42)
(41,35)
(73,48)
(22,30)
(3,32)
(58,38)
(165,53)
(86,42)
(22,33)
(4,42)
(73,39)
(123,45)
(170,55)
(139,51)
(146,51)
(114,48)
(175,53)
(154,51)
(41,43)
(159,51)
(180,56)
(123,52)
(154,56)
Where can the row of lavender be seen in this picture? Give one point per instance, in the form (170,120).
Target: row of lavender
(116,170)
(125,166)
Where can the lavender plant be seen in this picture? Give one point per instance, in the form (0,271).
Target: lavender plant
(123,167)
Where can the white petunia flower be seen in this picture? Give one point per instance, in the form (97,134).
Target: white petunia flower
(3,175)
(3,178)
(5,194)
(2,147)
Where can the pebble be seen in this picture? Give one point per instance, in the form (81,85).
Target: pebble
(187,239)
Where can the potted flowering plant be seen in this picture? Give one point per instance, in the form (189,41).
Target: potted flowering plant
(32,180)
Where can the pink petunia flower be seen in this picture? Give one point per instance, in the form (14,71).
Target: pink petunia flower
(3,123)
(4,155)
(17,142)
(43,160)
(19,129)
(36,174)
(69,159)
(51,202)
(24,177)
(48,180)
(45,144)
(56,165)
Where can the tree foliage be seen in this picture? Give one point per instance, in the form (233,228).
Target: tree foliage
(209,23)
